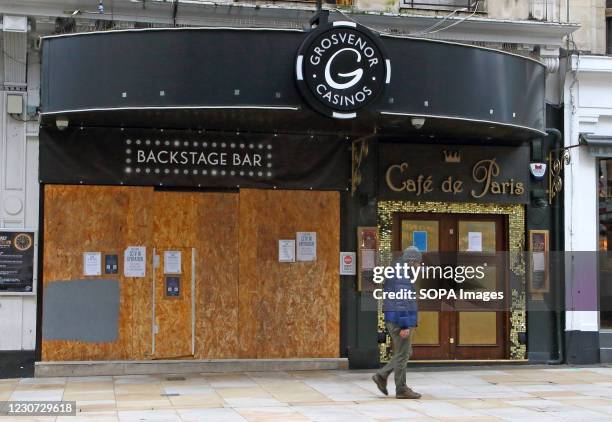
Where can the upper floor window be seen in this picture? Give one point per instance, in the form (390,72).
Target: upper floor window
(609,27)
(467,5)
(609,35)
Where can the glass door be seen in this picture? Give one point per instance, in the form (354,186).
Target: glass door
(462,328)
(479,324)
(426,231)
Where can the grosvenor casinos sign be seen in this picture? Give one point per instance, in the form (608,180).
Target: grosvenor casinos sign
(341,68)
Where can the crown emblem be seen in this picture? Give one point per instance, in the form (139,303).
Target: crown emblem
(451,156)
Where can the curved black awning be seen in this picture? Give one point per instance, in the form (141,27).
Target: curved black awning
(245,79)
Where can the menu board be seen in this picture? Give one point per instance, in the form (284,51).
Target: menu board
(539,277)
(16,261)
(367,257)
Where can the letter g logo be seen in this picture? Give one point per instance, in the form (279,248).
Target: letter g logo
(341,68)
(356,74)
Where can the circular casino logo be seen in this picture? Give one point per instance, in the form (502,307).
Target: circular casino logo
(22,242)
(341,68)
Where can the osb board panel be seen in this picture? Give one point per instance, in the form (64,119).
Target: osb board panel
(249,284)
(173,314)
(175,219)
(161,220)
(97,219)
(217,276)
(247,304)
(288,309)
(139,233)
(208,223)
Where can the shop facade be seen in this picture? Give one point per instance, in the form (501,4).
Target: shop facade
(19,96)
(588,130)
(471,213)
(178,166)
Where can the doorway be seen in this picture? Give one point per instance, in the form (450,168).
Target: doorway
(451,328)
(174,302)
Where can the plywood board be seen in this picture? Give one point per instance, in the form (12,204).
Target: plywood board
(217,276)
(139,233)
(93,218)
(173,313)
(247,304)
(288,309)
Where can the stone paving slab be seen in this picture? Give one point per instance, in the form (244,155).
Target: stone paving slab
(522,394)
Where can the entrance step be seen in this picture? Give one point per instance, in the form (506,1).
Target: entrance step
(605,355)
(605,346)
(467,363)
(149,367)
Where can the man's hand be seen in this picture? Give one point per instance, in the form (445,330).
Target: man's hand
(404,332)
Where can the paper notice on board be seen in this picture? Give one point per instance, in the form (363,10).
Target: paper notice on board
(539,262)
(368,259)
(286,250)
(172,262)
(92,263)
(474,242)
(348,263)
(135,261)
(419,240)
(306,246)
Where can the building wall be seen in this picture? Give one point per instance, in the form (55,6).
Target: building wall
(21,152)
(545,10)
(591,14)
(588,109)
(18,193)
(522,10)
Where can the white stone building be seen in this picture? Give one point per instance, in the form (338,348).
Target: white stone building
(19,189)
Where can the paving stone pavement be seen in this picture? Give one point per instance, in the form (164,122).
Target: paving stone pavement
(489,394)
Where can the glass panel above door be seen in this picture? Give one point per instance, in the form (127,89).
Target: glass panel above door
(477,236)
(424,234)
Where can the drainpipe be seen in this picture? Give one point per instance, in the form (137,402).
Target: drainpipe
(320,17)
(558,227)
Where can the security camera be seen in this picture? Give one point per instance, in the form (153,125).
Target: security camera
(418,122)
(61,122)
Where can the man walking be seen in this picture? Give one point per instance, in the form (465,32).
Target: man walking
(400,319)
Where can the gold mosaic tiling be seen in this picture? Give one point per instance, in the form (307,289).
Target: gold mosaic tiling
(516,229)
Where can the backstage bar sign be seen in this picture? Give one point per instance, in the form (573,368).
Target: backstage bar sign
(341,68)
(454,173)
(16,261)
(206,157)
(195,159)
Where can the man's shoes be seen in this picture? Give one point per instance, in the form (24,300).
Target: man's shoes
(381,383)
(406,393)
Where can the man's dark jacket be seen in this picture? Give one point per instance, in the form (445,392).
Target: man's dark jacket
(400,311)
